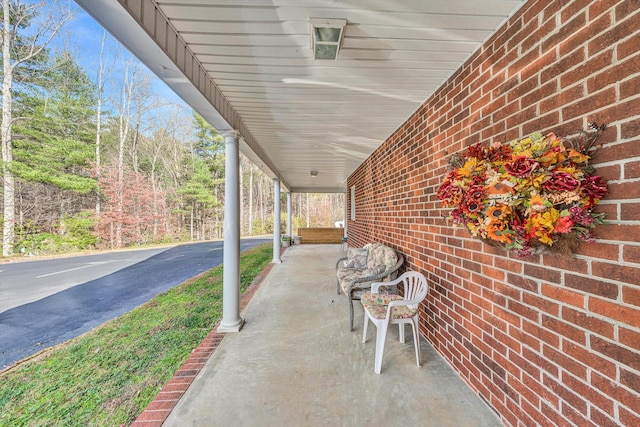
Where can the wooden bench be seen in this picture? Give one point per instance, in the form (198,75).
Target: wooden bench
(321,235)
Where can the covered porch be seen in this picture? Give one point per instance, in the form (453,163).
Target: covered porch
(296,363)
(545,340)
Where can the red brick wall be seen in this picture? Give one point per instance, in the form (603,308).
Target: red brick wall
(545,340)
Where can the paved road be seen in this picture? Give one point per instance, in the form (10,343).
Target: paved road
(60,316)
(26,281)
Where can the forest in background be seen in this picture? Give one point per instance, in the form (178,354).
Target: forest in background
(101,160)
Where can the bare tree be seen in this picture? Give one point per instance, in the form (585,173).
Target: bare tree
(16,51)
(103,70)
(166,140)
(124,130)
(144,102)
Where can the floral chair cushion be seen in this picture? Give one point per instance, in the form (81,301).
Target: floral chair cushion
(377,305)
(346,275)
(357,258)
(380,254)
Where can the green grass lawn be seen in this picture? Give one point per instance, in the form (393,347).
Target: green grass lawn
(107,376)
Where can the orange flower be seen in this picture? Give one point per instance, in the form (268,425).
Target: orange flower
(563,224)
(496,231)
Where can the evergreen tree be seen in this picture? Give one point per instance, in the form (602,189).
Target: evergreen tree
(53,149)
(209,143)
(23,43)
(56,144)
(202,187)
(198,197)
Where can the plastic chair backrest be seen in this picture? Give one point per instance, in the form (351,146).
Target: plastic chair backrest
(415,287)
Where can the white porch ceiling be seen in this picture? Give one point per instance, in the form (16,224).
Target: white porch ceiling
(253,70)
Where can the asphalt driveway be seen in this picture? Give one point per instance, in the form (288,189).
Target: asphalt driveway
(31,327)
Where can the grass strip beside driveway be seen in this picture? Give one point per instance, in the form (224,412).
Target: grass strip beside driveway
(109,375)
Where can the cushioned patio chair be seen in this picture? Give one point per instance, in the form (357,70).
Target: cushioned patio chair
(386,309)
(377,263)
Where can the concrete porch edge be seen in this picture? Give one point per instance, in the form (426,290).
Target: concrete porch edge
(161,406)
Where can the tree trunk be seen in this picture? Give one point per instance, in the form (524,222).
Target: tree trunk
(100,87)
(123,133)
(192,223)
(13,13)
(7,146)
(154,187)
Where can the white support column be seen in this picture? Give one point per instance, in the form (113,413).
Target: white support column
(276,221)
(231,320)
(289,215)
(346,213)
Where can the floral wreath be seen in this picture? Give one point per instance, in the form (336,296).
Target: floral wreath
(529,196)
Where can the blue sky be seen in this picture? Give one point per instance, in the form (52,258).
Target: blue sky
(83,36)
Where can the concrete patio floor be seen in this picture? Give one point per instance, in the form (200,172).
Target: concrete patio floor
(295,363)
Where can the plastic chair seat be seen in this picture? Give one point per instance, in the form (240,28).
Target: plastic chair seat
(377,305)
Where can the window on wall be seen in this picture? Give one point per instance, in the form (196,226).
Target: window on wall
(353,203)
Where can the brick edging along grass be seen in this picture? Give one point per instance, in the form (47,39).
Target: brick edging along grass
(159,409)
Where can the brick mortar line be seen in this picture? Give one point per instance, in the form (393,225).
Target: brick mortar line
(149,417)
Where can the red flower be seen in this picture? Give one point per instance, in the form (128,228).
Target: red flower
(561,181)
(581,216)
(473,199)
(450,194)
(563,224)
(595,187)
(521,167)
(477,151)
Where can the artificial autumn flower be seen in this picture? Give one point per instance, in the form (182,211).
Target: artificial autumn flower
(541,225)
(537,203)
(580,216)
(594,187)
(563,224)
(497,232)
(450,194)
(499,152)
(474,207)
(498,212)
(526,194)
(564,197)
(555,155)
(521,167)
(577,157)
(476,151)
(561,181)
(468,168)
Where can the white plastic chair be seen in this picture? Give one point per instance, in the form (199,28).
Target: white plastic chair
(383,310)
